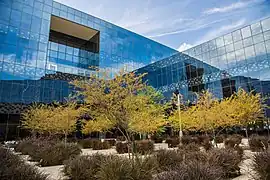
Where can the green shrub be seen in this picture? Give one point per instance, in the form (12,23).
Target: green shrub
(262,165)
(86,143)
(192,170)
(14,168)
(121,147)
(227,159)
(99,145)
(144,147)
(83,167)
(172,142)
(258,143)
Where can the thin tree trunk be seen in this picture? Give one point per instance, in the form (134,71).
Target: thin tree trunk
(268,132)
(246,132)
(65,139)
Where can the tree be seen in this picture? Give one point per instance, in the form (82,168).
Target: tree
(249,108)
(57,119)
(124,102)
(64,118)
(36,118)
(211,114)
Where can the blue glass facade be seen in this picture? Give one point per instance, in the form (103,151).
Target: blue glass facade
(28,56)
(222,65)
(37,63)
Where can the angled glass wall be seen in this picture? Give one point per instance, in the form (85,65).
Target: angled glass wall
(238,59)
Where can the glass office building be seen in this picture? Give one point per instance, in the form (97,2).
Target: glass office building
(222,65)
(45,44)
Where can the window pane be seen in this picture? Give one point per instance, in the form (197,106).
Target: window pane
(228,39)
(221,51)
(229,48)
(256,28)
(260,49)
(238,45)
(266,24)
(250,53)
(248,42)
(266,35)
(220,42)
(237,36)
(258,38)
(246,32)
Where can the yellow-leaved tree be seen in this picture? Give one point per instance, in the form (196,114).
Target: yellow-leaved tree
(248,107)
(64,118)
(124,102)
(52,119)
(36,118)
(210,114)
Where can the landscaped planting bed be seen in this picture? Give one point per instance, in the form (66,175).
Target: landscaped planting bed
(190,161)
(47,152)
(14,168)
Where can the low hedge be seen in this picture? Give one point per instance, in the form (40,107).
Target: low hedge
(14,168)
(144,147)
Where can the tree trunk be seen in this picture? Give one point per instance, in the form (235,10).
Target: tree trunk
(246,132)
(65,139)
(268,132)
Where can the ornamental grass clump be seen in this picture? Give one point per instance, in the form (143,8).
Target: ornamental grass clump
(115,167)
(99,145)
(121,147)
(227,159)
(86,143)
(258,143)
(167,159)
(83,167)
(192,170)
(14,168)
(58,153)
(172,142)
(46,151)
(144,147)
(261,165)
